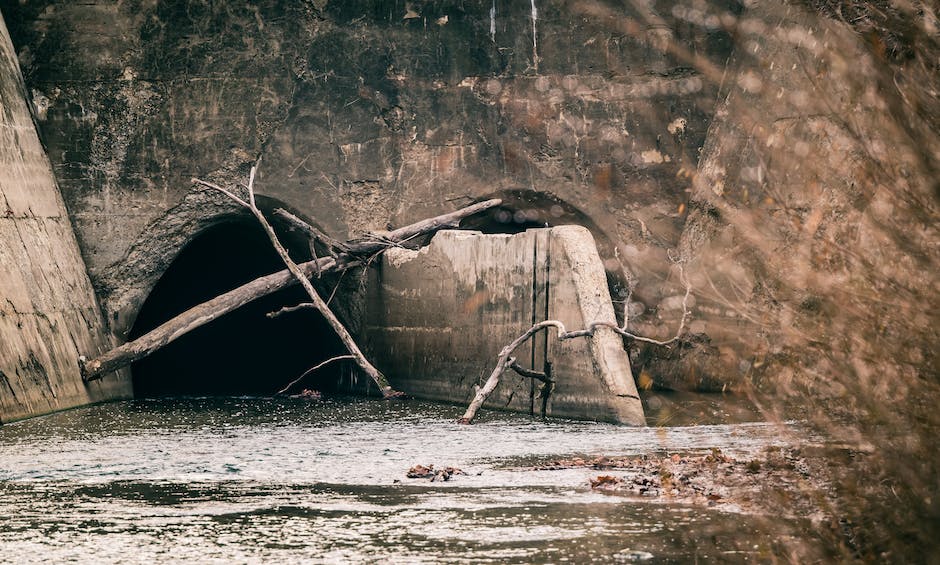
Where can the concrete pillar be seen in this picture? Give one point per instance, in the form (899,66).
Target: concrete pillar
(48,312)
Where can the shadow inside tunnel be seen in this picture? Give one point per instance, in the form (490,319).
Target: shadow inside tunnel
(243,352)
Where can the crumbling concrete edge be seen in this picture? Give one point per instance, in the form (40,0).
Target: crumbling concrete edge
(612,364)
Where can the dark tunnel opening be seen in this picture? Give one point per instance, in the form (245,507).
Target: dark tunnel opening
(244,352)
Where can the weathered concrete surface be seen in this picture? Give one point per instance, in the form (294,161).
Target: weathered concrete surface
(366,112)
(371,112)
(48,312)
(437,318)
(812,240)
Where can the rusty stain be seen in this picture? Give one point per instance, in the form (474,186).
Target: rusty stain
(475,302)
(605,177)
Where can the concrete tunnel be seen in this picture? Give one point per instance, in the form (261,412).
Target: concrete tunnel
(246,352)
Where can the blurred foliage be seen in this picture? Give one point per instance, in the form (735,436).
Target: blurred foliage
(838,234)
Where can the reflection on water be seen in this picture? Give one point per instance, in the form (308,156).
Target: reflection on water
(241,480)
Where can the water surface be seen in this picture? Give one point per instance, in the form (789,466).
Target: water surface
(222,480)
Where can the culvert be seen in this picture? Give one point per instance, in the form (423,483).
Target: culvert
(431,319)
(244,352)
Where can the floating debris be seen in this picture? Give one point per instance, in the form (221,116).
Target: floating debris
(776,478)
(428,472)
(605,482)
(308,394)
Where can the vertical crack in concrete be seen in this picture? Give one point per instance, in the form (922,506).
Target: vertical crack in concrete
(547,364)
(535,320)
(493,22)
(535,38)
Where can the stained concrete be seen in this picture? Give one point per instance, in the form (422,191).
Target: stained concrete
(48,311)
(372,112)
(366,112)
(437,318)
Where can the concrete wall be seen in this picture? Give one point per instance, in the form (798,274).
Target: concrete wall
(369,112)
(48,312)
(366,112)
(437,318)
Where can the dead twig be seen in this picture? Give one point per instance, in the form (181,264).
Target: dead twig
(685,316)
(336,287)
(289,309)
(312,369)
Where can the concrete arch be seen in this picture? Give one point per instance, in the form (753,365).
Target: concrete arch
(246,351)
(124,286)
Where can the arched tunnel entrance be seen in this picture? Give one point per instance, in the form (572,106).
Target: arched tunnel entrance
(244,352)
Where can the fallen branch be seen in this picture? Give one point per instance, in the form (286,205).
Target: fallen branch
(430,225)
(334,246)
(312,369)
(505,360)
(199,315)
(367,367)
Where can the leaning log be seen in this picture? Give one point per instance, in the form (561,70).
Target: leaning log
(208,311)
(301,277)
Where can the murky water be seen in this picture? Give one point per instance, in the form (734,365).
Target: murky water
(284,480)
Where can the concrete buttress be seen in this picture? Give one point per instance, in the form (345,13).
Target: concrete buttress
(48,311)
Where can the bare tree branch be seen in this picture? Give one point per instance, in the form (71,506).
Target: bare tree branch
(214,186)
(199,315)
(685,316)
(367,367)
(504,361)
(289,309)
(312,369)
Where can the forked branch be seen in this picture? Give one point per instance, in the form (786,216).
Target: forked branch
(505,360)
